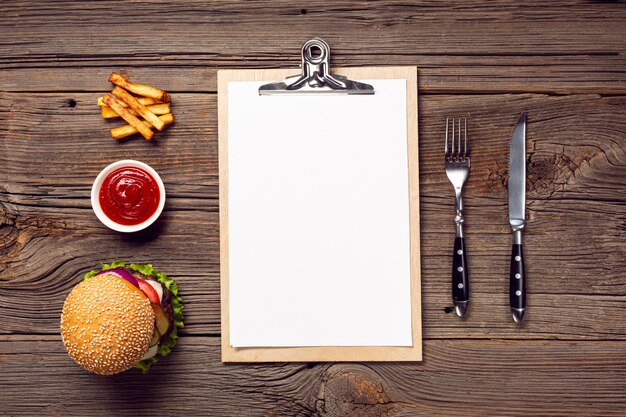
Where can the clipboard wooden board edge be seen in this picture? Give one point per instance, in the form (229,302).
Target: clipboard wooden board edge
(323,353)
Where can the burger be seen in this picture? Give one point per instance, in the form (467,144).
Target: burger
(121,317)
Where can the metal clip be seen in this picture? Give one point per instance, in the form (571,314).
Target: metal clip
(316,77)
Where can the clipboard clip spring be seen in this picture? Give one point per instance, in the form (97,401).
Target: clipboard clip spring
(316,77)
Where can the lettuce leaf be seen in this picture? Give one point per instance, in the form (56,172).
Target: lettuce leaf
(166,345)
(144,365)
(90,274)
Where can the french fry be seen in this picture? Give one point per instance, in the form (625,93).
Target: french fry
(139,89)
(146,101)
(138,107)
(109,113)
(113,103)
(162,108)
(127,130)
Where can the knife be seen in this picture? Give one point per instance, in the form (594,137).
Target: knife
(517,206)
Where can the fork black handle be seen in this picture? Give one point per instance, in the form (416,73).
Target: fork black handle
(460,281)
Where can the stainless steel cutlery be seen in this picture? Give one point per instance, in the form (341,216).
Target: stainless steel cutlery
(517,211)
(457,164)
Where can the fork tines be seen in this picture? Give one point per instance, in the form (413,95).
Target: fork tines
(454,153)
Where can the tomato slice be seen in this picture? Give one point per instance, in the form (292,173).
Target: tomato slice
(149,291)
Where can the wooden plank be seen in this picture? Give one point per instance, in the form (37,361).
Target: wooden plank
(379,24)
(439,74)
(558,46)
(45,260)
(472,378)
(49,237)
(325,353)
(575,142)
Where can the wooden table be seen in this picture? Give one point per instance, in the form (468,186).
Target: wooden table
(563,62)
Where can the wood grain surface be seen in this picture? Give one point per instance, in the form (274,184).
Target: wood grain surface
(562,61)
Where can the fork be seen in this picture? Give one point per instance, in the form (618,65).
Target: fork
(457,164)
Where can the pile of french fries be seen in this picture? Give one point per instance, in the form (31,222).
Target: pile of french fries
(149,103)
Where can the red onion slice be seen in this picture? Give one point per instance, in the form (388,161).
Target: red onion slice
(122,273)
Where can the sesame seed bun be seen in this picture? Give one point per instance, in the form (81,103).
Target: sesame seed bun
(106,324)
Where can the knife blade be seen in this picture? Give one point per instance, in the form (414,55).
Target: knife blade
(517,217)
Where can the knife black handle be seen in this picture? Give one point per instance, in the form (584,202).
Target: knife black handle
(460,281)
(517,283)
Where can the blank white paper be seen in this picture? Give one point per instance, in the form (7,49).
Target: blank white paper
(318,218)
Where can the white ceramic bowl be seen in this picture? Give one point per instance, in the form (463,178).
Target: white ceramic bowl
(95,193)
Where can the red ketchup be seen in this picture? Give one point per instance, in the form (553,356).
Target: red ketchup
(129,196)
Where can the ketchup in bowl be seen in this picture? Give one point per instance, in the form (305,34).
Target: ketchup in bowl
(129,196)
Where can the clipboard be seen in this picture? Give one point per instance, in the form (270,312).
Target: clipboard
(316,78)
